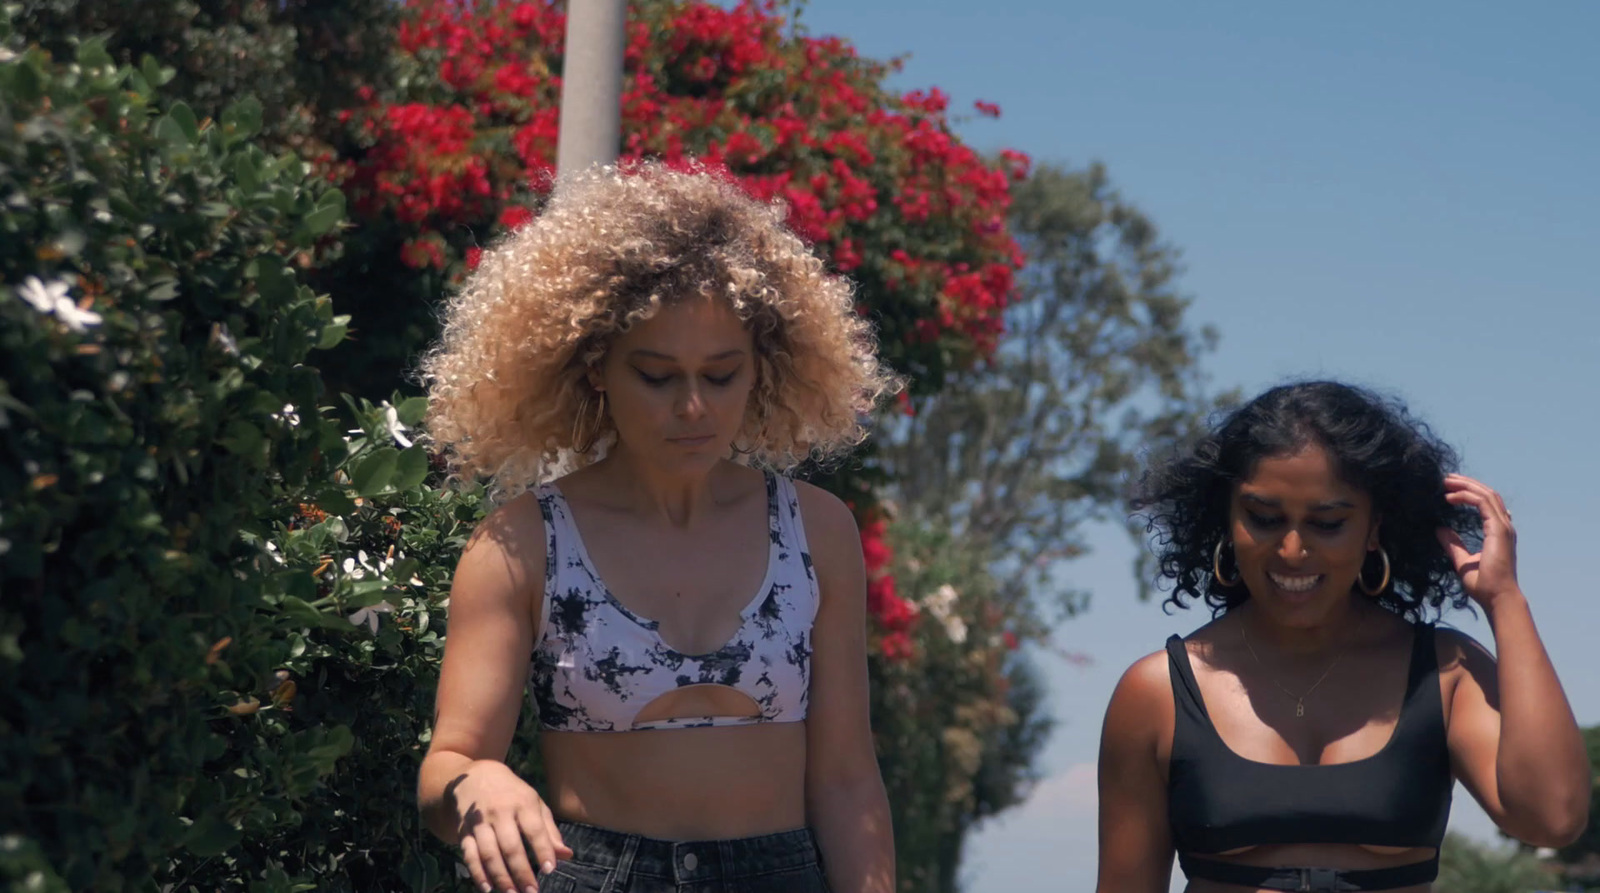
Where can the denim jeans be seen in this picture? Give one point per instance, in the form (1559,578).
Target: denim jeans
(613,862)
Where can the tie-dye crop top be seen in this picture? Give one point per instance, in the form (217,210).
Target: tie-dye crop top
(597,664)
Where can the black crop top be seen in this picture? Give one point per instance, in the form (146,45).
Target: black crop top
(1400,796)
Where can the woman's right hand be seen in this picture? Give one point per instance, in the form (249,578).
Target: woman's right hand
(501,817)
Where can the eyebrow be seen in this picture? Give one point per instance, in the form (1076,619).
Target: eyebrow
(657,355)
(1332,505)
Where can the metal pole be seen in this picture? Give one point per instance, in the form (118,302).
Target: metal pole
(591,87)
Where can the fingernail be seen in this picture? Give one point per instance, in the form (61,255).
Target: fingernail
(530,889)
(547,867)
(486,887)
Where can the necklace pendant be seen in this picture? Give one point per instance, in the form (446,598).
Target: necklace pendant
(1299,708)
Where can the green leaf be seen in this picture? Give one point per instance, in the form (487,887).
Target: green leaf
(411,468)
(155,73)
(212,837)
(366,593)
(92,54)
(420,871)
(28,81)
(335,502)
(323,219)
(373,473)
(181,113)
(245,173)
(332,334)
(171,131)
(411,410)
(242,119)
(301,613)
(242,438)
(335,745)
(274,280)
(164,288)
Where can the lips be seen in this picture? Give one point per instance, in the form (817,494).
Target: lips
(700,440)
(1294,582)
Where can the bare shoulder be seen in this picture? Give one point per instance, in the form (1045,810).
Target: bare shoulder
(1463,659)
(1139,718)
(505,556)
(1456,648)
(830,525)
(1145,685)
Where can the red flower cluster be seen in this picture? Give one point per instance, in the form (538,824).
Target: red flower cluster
(864,173)
(893,615)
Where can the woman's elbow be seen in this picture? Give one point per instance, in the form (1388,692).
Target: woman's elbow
(1557,824)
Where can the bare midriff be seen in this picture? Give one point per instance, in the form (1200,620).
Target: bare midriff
(680,784)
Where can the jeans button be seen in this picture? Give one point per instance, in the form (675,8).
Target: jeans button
(690,861)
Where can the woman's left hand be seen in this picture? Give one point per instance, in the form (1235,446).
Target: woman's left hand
(1490,574)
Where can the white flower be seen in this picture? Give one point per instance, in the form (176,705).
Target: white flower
(6,55)
(221,337)
(956,629)
(44,298)
(353,570)
(940,602)
(52,298)
(77,320)
(369,615)
(117,380)
(287,415)
(391,418)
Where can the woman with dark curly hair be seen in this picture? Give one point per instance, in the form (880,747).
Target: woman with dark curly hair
(1309,736)
(690,622)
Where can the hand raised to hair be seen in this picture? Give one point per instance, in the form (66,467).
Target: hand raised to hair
(1491,573)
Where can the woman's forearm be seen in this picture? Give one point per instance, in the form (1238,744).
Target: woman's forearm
(435,781)
(855,833)
(1542,768)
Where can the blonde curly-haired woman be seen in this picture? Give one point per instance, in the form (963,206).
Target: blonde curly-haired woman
(689,622)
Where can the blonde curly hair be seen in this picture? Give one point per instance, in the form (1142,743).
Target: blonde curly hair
(508,377)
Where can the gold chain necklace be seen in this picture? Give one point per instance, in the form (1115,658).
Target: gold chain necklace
(1299,700)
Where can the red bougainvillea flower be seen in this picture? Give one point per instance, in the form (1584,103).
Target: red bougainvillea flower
(800,119)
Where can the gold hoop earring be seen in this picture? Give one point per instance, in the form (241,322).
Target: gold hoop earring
(1216,566)
(1382,584)
(583,445)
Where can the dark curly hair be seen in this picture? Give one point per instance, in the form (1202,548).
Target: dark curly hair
(1376,445)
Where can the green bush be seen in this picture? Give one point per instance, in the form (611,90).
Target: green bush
(156,418)
(300,58)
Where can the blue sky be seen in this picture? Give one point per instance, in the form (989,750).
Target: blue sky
(1400,196)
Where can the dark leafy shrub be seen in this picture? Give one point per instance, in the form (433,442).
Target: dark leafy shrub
(156,419)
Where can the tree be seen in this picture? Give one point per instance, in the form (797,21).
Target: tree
(298,58)
(1466,866)
(1582,857)
(1098,362)
(957,704)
